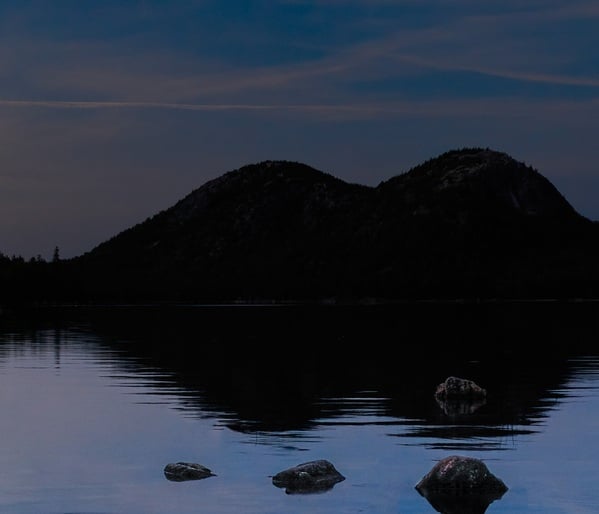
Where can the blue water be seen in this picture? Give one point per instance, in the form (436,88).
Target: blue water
(90,418)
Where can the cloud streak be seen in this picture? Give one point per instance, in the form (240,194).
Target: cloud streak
(498,106)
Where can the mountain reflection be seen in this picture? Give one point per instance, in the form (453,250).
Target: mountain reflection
(288,369)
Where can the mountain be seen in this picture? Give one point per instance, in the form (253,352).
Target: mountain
(470,223)
(273,229)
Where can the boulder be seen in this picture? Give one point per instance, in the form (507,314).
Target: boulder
(310,477)
(458,473)
(460,485)
(182,471)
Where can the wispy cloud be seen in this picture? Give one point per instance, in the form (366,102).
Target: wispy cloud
(463,108)
(524,76)
(77,104)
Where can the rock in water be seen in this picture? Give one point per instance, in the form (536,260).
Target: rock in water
(455,387)
(182,471)
(309,477)
(460,485)
(457,473)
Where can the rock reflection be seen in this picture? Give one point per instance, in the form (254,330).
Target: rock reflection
(460,407)
(460,502)
(309,489)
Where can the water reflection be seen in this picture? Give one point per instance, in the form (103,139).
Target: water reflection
(293,369)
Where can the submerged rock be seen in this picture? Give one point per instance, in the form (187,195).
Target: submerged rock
(310,477)
(182,471)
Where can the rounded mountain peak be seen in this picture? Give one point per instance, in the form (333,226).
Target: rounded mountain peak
(266,186)
(479,179)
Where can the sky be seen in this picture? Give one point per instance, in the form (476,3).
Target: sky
(112,111)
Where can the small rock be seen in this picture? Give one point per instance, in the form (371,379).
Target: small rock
(182,471)
(309,477)
(455,387)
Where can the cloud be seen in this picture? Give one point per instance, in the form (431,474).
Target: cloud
(461,108)
(489,41)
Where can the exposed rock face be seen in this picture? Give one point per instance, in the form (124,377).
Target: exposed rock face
(455,387)
(183,471)
(460,485)
(310,477)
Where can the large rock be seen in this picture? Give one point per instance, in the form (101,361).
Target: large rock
(460,485)
(182,471)
(310,477)
(458,473)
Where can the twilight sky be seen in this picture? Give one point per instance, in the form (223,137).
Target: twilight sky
(111,111)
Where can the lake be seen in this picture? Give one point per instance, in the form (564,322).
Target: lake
(96,401)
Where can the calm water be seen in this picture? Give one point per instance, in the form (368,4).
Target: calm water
(95,403)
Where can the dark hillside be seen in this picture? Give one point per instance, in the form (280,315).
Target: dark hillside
(271,229)
(469,224)
(477,223)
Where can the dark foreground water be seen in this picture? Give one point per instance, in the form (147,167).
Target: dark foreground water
(95,402)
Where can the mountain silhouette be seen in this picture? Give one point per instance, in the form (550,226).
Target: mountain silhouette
(469,223)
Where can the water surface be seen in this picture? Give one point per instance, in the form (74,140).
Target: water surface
(95,402)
